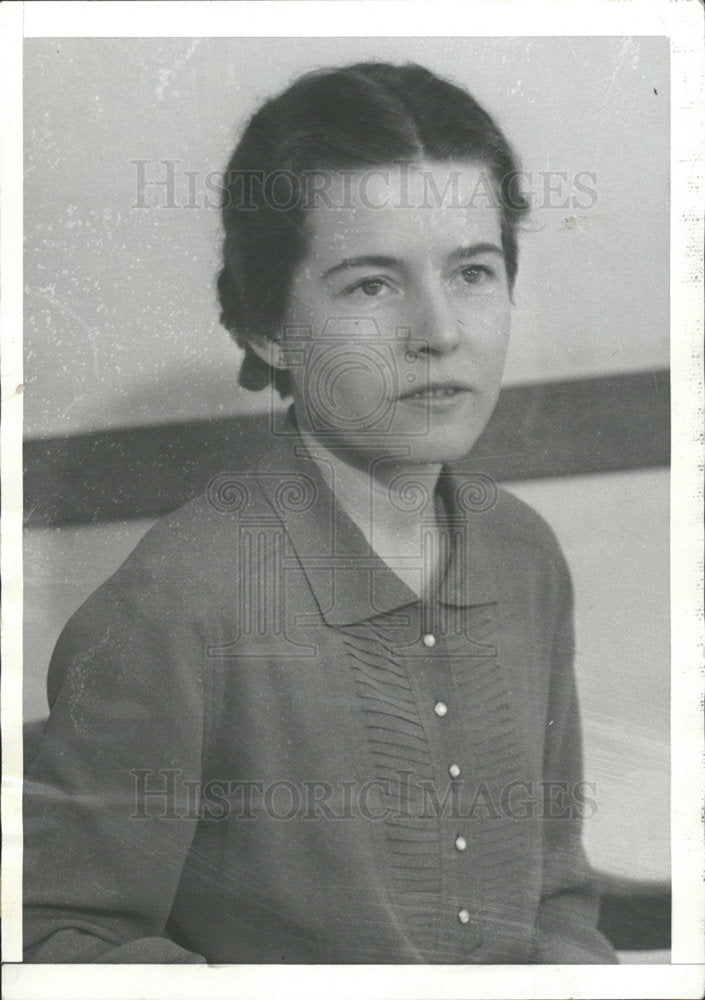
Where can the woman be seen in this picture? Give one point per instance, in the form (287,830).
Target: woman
(326,711)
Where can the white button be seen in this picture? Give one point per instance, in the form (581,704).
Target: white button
(440,708)
(463,916)
(454,771)
(429,640)
(460,843)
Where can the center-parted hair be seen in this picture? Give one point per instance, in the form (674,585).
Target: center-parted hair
(351,118)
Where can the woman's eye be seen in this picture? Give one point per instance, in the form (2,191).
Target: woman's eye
(370,287)
(475,274)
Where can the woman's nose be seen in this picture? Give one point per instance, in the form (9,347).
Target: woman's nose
(438,323)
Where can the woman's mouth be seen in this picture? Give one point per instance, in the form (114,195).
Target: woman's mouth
(434,392)
(435,397)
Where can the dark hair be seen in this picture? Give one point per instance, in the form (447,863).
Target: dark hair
(354,117)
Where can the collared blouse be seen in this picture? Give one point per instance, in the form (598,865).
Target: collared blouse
(263,747)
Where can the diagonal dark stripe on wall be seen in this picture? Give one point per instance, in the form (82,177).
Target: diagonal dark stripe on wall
(566,428)
(583,426)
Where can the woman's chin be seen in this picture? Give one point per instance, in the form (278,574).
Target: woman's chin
(445,451)
(439,441)
(434,448)
(445,441)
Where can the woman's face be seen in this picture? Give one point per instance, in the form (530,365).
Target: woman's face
(398,318)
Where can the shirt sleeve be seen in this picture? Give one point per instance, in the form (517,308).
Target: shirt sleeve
(568,910)
(107,819)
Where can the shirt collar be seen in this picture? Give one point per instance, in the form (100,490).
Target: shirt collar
(350,582)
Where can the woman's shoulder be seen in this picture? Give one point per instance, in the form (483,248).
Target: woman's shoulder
(512,523)
(191,549)
(521,519)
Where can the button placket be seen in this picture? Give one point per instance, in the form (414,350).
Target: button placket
(456,859)
(471,931)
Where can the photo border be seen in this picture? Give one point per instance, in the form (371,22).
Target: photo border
(681,21)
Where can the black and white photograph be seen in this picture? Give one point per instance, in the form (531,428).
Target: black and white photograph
(348,483)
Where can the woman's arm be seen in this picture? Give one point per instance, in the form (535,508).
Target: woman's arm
(567,917)
(102,859)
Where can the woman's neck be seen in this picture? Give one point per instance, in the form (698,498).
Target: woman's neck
(392,502)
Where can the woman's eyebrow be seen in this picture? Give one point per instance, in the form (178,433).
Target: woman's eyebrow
(382,260)
(473,249)
(367,260)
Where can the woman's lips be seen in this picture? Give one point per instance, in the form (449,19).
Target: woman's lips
(434,392)
(434,396)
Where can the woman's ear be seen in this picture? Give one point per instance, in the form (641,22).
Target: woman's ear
(267,350)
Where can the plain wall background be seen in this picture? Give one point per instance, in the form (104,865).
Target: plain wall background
(122,321)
